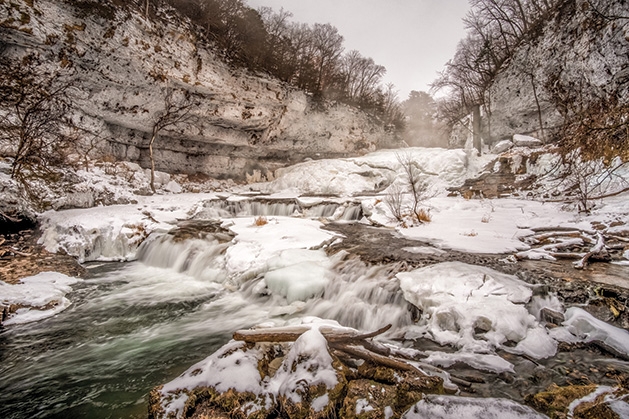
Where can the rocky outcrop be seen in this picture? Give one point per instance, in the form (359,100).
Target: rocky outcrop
(123,67)
(580,51)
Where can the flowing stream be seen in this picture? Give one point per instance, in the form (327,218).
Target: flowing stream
(137,325)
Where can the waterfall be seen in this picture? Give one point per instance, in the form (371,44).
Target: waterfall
(199,258)
(219,208)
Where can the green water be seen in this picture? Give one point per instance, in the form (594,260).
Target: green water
(101,356)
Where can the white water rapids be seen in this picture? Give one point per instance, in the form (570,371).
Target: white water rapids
(134,326)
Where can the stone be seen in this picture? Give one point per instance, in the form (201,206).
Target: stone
(173,187)
(526,141)
(367,399)
(501,146)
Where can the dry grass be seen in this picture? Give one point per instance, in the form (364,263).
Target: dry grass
(260,221)
(423,216)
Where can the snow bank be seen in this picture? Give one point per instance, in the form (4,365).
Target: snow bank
(475,309)
(449,407)
(38,297)
(486,226)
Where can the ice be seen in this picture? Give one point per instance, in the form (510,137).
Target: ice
(454,407)
(485,362)
(298,274)
(114,232)
(40,296)
(587,327)
(473,308)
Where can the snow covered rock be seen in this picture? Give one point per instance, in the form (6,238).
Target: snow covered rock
(36,297)
(475,309)
(173,187)
(501,146)
(526,141)
(582,401)
(587,327)
(449,407)
(306,381)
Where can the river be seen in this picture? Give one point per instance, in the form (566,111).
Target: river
(133,326)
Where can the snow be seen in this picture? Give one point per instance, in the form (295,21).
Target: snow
(485,226)
(450,407)
(235,366)
(526,141)
(228,368)
(257,246)
(41,295)
(363,406)
(456,299)
(114,232)
(308,363)
(375,171)
(485,362)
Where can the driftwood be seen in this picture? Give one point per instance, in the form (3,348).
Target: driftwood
(598,252)
(347,342)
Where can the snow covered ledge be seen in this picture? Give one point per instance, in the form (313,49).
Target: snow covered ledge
(114,232)
(35,297)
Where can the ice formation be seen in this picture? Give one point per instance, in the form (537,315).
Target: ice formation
(475,309)
(448,407)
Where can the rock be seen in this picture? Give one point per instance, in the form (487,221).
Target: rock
(173,187)
(367,399)
(526,141)
(551,316)
(502,146)
(557,402)
(242,121)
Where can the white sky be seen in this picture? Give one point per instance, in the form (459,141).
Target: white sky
(413,39)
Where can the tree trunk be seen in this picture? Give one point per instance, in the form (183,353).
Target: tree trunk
(153,136)
(539,110)
(476,124)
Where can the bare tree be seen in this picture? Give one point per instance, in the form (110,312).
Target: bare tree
(176,112)
(34,120)
(589,180)
(416,183)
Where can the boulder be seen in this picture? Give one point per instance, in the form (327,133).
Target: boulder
(526,141)
(501,146)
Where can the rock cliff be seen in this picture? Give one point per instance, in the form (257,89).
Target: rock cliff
(579,56)
(123,67)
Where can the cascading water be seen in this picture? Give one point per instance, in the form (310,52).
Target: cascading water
(134,326)
(251,207)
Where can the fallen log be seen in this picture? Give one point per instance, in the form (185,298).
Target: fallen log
(367,355)
(598,252)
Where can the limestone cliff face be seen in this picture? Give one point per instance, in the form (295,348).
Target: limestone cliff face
(123,66)
(583,49)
